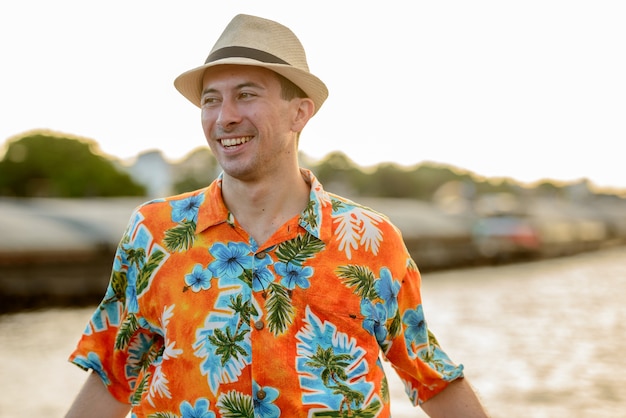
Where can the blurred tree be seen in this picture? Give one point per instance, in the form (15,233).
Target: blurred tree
(197,170)
(391,180)
(47,164)
(339,174)
(548,189)
(498,185)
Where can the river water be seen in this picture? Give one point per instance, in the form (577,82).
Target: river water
(543,339)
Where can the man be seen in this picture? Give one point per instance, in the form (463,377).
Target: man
(262,294)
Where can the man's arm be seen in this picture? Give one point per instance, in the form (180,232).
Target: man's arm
(95,401)
(457,400)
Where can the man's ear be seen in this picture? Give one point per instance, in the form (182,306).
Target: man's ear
(304,112)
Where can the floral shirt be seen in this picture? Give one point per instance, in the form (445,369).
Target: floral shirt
(199,320)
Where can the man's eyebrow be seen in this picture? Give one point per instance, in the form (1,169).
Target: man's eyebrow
(237,87)
(207,91)
(249,84)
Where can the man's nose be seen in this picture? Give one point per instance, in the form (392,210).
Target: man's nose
(228,115)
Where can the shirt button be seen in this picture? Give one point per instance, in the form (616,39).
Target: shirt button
(258,325)
(260,394)
(260,255)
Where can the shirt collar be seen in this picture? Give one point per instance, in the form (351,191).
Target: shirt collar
(315,218)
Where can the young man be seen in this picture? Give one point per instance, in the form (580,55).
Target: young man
(262,294)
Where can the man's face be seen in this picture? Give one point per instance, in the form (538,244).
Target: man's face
(247,124)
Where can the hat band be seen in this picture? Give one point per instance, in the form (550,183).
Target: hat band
(244,52)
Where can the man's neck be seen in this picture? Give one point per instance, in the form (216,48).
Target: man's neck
(261,207)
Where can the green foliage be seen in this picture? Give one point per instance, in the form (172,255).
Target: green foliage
(196,171)
(228,345)
(236,405)
(154,261)
(181,237)
(280,311)
(163,415)
(47,165)
(142,386)
(127,330)
(361,278)
(420,182)
(385,180)
(299,249)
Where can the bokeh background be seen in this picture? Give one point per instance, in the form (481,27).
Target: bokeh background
(489,132)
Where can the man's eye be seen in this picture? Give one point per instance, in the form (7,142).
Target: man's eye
(208,100)
(246,95)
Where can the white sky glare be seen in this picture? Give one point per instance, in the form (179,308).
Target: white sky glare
(529,90)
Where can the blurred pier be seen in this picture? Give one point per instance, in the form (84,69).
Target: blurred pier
(60,251)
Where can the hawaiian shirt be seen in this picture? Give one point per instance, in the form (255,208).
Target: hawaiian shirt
(199,320)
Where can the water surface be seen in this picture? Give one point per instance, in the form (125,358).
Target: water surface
(544,340)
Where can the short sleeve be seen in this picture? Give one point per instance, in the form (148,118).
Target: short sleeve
(415,354)
(117,342)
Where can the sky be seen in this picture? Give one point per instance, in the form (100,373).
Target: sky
(528,90)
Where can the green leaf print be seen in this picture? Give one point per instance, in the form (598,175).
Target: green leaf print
(163,415)
(127,329)
(350,397)
(143,279)
(396,325)
(135,256)
(235,405)
(247,276)
(371,411)
(147,358)
(384,390)
(334,377)
(337,204)
(141,387)
(227,345)
(299,249)
(333,366)
(181,237)
(244,309)
(119,282)
(359,277)
(309,215)
(279,309)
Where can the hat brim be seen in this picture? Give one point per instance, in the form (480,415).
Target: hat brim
(189,83)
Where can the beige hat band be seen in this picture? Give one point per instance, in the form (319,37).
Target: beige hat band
(244,52)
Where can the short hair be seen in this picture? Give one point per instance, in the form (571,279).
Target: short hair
(288,89)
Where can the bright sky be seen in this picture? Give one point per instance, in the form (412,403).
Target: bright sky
(530,89)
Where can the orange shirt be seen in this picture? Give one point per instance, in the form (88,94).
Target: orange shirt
(199,320)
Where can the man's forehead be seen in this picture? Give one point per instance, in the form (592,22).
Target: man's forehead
(238,74)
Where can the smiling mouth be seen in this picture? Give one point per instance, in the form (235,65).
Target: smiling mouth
(231,142)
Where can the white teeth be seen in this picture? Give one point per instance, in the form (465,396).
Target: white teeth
(229,142)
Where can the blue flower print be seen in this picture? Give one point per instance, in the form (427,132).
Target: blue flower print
(199,410)
(186,209)
(230,260)
(388,289)
(263,399)
(375,318)
(199,278)
(261,275)
(294,275)
(416,332)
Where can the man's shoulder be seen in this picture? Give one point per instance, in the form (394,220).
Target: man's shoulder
(194,197)
(341,203)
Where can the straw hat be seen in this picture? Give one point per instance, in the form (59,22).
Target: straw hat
(251,40)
